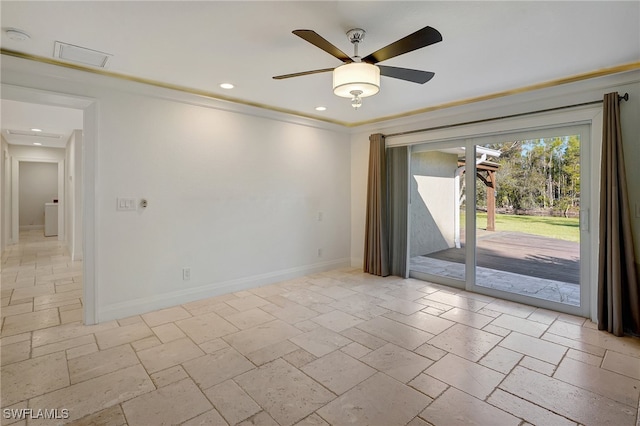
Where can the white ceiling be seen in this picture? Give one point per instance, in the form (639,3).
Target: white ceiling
(487,47)
(55,123)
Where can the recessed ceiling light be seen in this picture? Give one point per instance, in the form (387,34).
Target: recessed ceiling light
(321,108)
(37,143)
(227,86)
(36,130)
(17,35)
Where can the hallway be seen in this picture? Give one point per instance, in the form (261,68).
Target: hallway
(41,286)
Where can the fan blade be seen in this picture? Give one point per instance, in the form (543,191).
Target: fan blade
(415,76)
(417,40)
(298,74)
(318,41)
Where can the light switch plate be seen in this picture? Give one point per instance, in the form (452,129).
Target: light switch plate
(126,204)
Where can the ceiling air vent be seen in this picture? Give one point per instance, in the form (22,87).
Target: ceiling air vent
(33,134)
(82,55)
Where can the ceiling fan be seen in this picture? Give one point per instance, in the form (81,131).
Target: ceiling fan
(360,77)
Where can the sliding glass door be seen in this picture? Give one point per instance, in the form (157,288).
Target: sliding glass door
(504,215)
(436,212)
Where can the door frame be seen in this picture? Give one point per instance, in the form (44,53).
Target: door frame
(89,107)
(588,115)
(585,200)
(15,194)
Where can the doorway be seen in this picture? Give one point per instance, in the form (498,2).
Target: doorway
(509,216)
(77,181)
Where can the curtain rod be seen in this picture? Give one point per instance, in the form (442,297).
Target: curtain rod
(624,97)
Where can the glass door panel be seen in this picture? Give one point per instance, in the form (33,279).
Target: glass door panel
(527,212)
(437,218)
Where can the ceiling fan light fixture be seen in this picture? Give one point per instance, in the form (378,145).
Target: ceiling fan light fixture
(356,76)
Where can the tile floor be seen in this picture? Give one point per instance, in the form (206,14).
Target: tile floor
(339,348)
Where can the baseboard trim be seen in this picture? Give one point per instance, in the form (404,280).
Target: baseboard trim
(31,227)
(165,300)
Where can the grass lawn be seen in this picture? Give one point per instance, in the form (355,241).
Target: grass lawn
(562,228)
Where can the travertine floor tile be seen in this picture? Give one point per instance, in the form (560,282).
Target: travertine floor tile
(250,318)
(121,335)
(338,371)
(15,352)
(246,303)
(262,419)
(99,363)
(464,341)
(394,332)
(168,376)
(270,353)
(320,341)
(597,380)
(211,369)
(337,320)
(401,306)
(465,375)
(209,418)
(397,362)
(112,416)
(284,392)
(30,321)
(168,405)
(253,339)
(292,313)
(62,345)
(242,349)
(312,420)
(467,410)
(536,348)
(623,364)
(379,400)
(206,327)
(33,377)
(463,316)
(537,365)
(164,316)
(520,325)
(168,332)
(572,402)
(428,385)
(97,394)
(232,402)
(299,358)
(501,359)
(456,300)
(531,413)
(423,321)
(169,354)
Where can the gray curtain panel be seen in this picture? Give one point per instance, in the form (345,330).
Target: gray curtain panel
(398,185)
(376,243)
(618,287)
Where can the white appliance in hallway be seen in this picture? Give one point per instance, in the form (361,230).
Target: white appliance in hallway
(50,219)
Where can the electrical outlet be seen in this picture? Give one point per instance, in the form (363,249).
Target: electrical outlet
(186,274)
(319,252)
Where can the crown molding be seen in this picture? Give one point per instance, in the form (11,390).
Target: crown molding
(210,95)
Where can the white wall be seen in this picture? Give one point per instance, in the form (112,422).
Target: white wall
(38,185)
(433,204)
(18,154)
(73,191)
(5,194)
(233,196)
